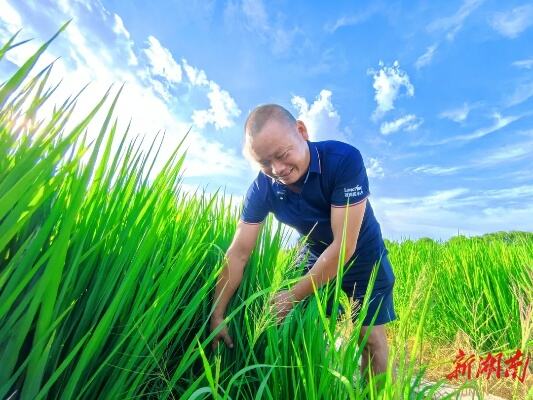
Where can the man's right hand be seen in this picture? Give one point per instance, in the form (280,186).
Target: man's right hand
(222,335)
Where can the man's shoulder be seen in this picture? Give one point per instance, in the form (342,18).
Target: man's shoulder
(336,151)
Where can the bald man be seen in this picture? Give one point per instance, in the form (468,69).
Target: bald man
(312,187)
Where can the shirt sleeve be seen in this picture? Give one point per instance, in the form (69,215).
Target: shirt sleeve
(351,180)
(255,206)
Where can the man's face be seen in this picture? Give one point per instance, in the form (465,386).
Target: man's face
(281,150)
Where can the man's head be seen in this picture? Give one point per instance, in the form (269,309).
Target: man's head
(277,142)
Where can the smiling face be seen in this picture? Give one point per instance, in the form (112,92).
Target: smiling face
(281,150)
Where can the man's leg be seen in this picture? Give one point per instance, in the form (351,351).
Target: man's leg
(376,350)
(375,353)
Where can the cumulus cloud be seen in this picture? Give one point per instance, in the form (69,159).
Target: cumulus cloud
(459,114)
(196,76)
(406,123)
(161,61)
(120,30)
(512,23)
(222,109)
(321,117)
(11,20)
(388,81)
(119,27)
(87,57)
(374,169)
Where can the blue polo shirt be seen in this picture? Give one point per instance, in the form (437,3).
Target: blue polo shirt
(336,177)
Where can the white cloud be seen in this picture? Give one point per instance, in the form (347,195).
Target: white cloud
(522,93)
(504,155)
(453,24)
(11,20)
(500,122)
(69,6)
(435,170)
(161,61)
(425,59)
(119,27)
(374,168)
(10,23)
(407,123)
(443,213)
(525,64)
(459,114)
(87,57)
(208,158)
(450,26)
(321,118)
(196,76)
(222,111)
(354,19)
(160,89)
(388,82)
(512,23)
(508,153)
(121,30)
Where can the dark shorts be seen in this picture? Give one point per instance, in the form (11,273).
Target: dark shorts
(356,291)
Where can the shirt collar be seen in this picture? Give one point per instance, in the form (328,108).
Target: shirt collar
(314,164)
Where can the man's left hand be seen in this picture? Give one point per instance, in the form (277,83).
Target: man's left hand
(282,303)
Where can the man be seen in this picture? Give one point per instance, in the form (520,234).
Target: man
(311,186)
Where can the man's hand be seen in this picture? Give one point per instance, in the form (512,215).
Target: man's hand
(223,335)
(282,304)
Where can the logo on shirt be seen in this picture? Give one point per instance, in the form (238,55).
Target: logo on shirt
(353,192)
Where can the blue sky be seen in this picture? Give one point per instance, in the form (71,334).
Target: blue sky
(437,96)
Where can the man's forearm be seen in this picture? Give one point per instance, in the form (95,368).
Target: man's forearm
(324,269)
(228,282)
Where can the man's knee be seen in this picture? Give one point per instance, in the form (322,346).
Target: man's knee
(377,339)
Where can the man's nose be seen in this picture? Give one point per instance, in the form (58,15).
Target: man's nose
(277,168)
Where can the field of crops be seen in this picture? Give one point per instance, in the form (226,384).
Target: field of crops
(107,277)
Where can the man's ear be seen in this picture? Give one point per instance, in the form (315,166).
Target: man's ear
(302,129)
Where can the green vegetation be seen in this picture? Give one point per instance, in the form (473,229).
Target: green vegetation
(106,278)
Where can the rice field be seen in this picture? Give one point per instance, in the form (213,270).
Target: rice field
(107,278)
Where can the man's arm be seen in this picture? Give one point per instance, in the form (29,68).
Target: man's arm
(325,267)
(230,278)
(237,256)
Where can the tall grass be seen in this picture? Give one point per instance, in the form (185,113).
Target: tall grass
(106,278)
